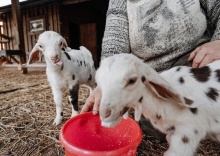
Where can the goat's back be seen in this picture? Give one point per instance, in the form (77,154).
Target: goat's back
(202,85)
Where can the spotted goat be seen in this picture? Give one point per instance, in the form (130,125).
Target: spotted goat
(66,68)
(182,102)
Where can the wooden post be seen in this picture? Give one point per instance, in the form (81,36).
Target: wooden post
(17,21)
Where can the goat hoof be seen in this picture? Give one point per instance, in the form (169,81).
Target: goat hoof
(57,121)
(74,113)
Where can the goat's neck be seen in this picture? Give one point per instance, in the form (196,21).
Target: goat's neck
(161,113)
(153,106)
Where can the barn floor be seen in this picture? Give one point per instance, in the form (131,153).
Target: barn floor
(27,112)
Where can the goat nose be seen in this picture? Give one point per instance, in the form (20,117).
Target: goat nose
(107,113)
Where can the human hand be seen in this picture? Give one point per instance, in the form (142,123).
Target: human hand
(205,54)
(93,102)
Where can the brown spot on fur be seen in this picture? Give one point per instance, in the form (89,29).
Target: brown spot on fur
(73,77)
(171,128)
(212,93)
(181,80)
(90,77)
(188,101)
(74,97)
(185,139)
(217,72)
(140,100)
(194,110)
(178,69)
(158,116)
(67,55)
(201,74)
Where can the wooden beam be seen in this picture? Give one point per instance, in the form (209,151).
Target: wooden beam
(18,26)
(4,41)
(4,36)
(68,2)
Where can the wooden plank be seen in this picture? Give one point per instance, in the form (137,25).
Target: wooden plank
(50,18)
(1,44)
(32,38)
(29,44)
(8,32)
(68,2)
(25,30)
(58,17)
(54,17)
(88,38)
(45,13)
(16,16)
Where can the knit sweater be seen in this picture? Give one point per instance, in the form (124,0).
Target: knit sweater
(159,31)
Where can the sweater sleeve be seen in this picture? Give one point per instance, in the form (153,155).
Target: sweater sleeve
(212,9)
(116,35)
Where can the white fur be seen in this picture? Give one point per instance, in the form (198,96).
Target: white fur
(174,101)
(66,68)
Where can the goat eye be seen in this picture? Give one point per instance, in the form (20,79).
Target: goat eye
(40,46)
(131,81)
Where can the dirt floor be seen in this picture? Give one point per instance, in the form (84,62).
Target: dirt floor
(26,115)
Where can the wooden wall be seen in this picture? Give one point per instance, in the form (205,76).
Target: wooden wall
(80,23)
(2,39)
(51,14)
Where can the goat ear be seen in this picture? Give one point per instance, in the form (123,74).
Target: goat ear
(64,44)
(164,91)
(34,55)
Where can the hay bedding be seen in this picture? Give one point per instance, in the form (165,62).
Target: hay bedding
(27,113)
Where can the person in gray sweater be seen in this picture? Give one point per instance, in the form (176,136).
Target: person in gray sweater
(164,33)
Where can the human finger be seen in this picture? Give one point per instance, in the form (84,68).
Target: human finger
(193,54)
(88,105)
(198,58)
(96,107)
(206,60)
(97,101)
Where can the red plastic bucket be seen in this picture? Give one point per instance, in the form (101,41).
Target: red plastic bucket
(83,135)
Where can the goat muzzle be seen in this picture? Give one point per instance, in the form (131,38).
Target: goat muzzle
(56,60)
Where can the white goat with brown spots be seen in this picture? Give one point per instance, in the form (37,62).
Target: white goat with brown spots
(182,102)
(65,68)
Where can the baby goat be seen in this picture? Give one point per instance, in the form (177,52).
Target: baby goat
(183,102)
(65,68)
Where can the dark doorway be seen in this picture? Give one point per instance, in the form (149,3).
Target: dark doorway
(74,35)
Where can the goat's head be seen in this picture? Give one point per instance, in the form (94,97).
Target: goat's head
(123,79)
(51,44)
